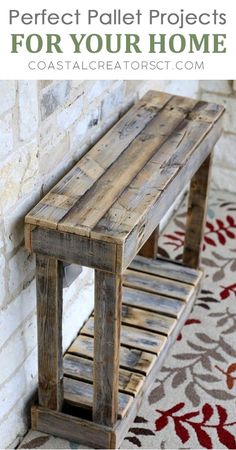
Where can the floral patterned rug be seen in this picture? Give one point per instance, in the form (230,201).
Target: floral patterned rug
(193,401)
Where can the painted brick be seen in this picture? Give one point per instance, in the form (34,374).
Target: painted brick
(113,101)
(21,270)
(19,346)
(217,86)
(16,312)
(2,279)
(53,96)
(7,95)
(28,109)
(69,115)
(224,179)
(83,129)
(225,154)
(230,106)
(6,136)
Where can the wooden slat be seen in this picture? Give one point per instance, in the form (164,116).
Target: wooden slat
(72,428)
(133,337)
(56,204)
(82,369)
(97,201)
(148,320)
(145,189)
(130,359)
(155,212)
(158,285)
(107,321)
(80,394)
(49,318)
(196,215)
(150,248)
(165,269)
(74,249)
(152,302)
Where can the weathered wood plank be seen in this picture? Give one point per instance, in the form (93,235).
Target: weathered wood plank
(96,202)
(147,320)
(75,249)
(82,369)
(196,215)
(69,427)
(56,204)
(81,394)
(150,248)
(49,318)
(133,337)
(152,179)
(165,269)
(107,320)
(158,285)
(136,238)
(130,359)
(152,302)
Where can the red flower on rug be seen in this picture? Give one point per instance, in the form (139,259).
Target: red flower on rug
(184,424)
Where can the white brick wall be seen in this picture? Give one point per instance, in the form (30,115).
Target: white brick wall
(44,128)
(224,163)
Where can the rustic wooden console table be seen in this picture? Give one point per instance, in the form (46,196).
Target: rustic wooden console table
(103,213)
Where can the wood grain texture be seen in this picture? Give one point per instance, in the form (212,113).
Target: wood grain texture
(107,321)
(166,269)
(150,248)
(82,369)
(133,337)
(75,249)
(81,394)
(72,428)
(154,213)
(152,302)
(147,320)
(196,215)
(64,196)
(131,359)
(49,318)
(158,285)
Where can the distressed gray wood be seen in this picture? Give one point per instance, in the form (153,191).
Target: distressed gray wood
(148,320)
(166,269)
(152,302)
(82,369)
(131,359)
(72,428)
(65,195)
(80,394)
(133,337)
(158,285)
(196,215)
(49,318)
(150,248)
(107,321)
(75,249)
(153,215)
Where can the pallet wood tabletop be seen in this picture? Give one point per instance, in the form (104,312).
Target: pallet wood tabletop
(110,192)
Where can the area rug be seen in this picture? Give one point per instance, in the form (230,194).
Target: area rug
(193,401)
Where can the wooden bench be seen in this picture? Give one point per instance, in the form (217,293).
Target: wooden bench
(102,214)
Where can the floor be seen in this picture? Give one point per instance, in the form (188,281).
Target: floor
(193,400)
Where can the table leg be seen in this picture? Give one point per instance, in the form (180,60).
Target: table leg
(49,315)
(150,247)
(107,322)
(197,207)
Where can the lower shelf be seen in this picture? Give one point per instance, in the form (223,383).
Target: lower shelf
(158,296)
